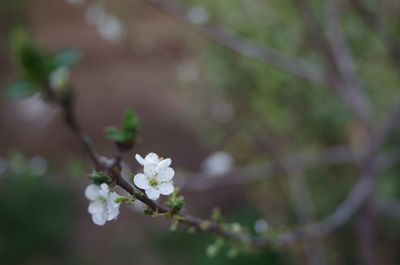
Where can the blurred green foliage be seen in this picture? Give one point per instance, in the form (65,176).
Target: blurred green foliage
(35,214)
(36,65)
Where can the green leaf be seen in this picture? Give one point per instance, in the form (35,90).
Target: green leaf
(34,62)
(115,134)
(129,132)
(131,125)
(99,178)
(66,58)
(121,199)
(176,202)
(20,90)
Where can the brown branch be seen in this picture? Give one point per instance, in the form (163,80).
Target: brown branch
(339,66)
(375,23)
(240,175)
(229,39)
(343,213)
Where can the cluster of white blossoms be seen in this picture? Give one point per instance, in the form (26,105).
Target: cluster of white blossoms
(157,176)
(103,206)
(156,179)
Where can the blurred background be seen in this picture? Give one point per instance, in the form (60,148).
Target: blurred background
(273,148)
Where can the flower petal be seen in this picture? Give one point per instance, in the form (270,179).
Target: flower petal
(92,192)
(151,158)
(100,218)
(152,194)
(96,207)
(166,174)
(141,181)
(165,163)
(150,170)
(140,159)
(166,188)
(112,212)
(104,190)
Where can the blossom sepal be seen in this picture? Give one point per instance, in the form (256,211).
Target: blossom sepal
(99,177)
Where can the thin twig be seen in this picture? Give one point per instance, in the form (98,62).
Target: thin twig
(337,57)
(230,40)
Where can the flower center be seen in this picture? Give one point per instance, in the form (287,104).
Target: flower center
(154,182)
(101,199)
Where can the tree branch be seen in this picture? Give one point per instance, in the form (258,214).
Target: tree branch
(230,40)
(339,67)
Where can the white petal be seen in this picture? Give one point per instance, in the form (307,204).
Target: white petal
(100,218)
(165,163)
(104,190)
(166,188)
(112,212)
(151,158)
(92,191)
(140,159)
(112,197)
(152,194)
(151,170)
(141,181)
(96,207)
(166,174)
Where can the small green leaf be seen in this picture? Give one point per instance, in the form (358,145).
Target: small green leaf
(99,178)
(20,90)
(115,134)
(66,58)
(129,132)
(34,62)
(121,199)
(131,125)
(176,202)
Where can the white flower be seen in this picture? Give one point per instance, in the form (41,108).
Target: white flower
(157,177)
(102,206)
(217,164)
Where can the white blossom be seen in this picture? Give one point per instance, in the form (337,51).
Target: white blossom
(157,176)
(217,164)
(102,205)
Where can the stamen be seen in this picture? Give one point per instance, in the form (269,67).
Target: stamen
(154,182)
